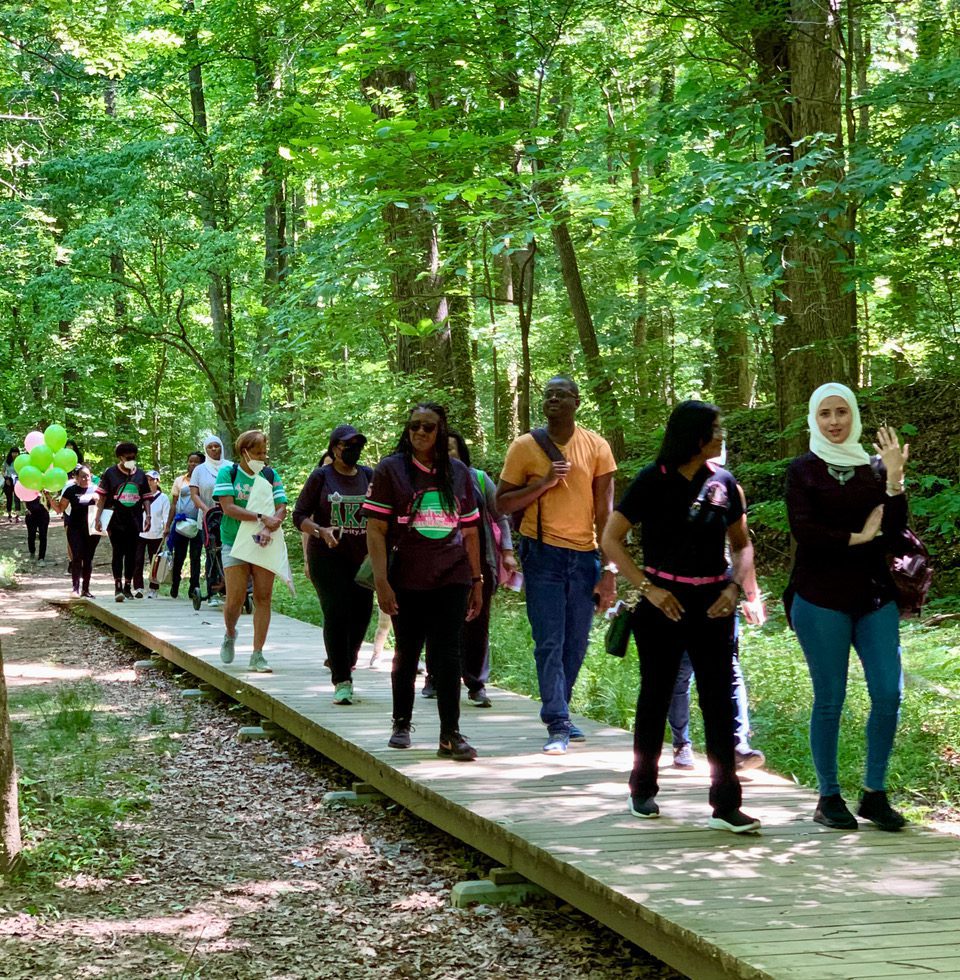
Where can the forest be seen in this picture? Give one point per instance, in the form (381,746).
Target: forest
(233,213)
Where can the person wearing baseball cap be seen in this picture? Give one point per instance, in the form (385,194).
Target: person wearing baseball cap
(151,537)
(328,513)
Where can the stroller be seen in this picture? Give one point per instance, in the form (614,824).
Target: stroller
(215,581)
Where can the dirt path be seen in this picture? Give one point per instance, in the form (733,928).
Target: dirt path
(218,858)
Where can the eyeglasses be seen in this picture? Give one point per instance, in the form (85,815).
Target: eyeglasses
(427,427)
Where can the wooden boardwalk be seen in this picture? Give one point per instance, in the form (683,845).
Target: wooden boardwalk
(796,902)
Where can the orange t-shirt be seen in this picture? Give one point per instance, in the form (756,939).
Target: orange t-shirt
(566,510)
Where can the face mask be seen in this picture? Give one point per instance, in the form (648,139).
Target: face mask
(721,460)
(256,465)
(129,465)
(350,454)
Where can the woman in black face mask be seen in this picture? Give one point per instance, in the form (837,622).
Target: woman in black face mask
(328,511)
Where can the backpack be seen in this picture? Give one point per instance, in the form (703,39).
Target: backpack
(544,441)
(493,529)
(911,571)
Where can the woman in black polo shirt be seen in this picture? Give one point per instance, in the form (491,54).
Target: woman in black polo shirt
(329,511)
(687,510)
(422,536)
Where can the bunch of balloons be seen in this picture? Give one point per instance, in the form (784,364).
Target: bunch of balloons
(45,464)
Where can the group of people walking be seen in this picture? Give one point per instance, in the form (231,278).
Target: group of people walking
(429,536)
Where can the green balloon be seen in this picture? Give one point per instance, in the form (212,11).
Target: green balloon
(31,478)
(41,456)
(55,436)
(20,461)
(65,459)
(54,479)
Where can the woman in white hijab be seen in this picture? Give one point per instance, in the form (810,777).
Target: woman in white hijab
(842,504)
(202,481)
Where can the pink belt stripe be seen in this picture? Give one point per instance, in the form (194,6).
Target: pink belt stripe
(686,579)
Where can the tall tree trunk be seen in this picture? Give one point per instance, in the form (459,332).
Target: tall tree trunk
(815,339)
(523,267)
(10,840)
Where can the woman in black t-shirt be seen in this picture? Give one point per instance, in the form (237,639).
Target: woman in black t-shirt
(329,511)
(83,545)
(421,511)
(687,510)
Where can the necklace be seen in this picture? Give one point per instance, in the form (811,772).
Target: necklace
(841,473)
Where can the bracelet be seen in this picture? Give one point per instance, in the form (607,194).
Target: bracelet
(476,579)
(610,567)
(644,587)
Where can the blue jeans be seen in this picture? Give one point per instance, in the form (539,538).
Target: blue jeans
(825,636)
(560,583)
(679,714)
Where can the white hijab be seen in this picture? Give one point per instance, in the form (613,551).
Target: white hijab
(846,453)
(213,465)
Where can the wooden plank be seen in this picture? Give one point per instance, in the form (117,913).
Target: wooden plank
(798,901)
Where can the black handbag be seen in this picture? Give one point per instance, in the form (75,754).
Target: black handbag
(617,638)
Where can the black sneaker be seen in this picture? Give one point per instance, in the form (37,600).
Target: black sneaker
(138,594)
(832,812)
(479,699)
(576,734)
(646,808)
(128,592)
(750,759)
(400,739)
(118,595)
(455,746)
(875,807)
(429,691)
(736,821)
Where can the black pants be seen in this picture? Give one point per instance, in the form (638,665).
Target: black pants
(146,549)
(13,501)
(38,520)
(475,656)
(661,644)
(433,618)
(82,548)
(180,547)
(346,611)
(124,535)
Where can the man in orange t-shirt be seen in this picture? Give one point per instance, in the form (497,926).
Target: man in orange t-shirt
(566,501)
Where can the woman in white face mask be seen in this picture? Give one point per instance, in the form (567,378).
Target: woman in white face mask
(122,489)
(202,481)
(232,491)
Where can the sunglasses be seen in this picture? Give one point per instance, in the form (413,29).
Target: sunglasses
(427,427)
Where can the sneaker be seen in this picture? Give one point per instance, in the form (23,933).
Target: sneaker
(343,693)
(750,759)
(429,691)
(228,649)
(875,807)
(645,808)
(75,593)
(832,812)
(258,663)
(576,735)
(400,739)
(138,594)
(736,821)
(557,743)
(683,757)
(42,562)
(455,746)
(152,594)
(479,699)
(118,595)
(128,592)
(87,594)
(216,602)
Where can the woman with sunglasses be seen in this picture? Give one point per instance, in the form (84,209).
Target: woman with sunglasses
(422,522)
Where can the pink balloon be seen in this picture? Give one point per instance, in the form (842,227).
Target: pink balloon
(34,438)
(24,493)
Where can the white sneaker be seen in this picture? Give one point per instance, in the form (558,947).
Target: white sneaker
(215,602)
(152,594)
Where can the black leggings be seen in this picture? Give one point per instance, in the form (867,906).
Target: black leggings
(38,520)
(180,547)
(433,618)
(83,545)
(124,535)
(13,501)
(661,643)
(346,611)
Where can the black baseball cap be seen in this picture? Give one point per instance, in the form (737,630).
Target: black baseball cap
(346,433)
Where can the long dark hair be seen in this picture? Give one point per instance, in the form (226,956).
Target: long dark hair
(10,456)
(463,450)
(689,429)
(441,452)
